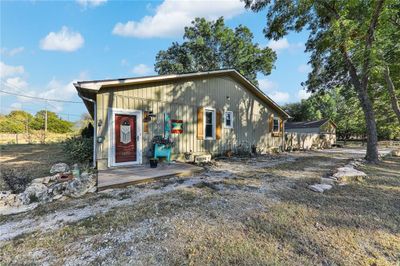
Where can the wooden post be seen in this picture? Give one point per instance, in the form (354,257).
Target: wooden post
(45,124)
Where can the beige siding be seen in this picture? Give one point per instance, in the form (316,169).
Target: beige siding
(181,100)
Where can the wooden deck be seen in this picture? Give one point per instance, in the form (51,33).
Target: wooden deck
(120,177)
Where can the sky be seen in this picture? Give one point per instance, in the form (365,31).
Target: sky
(48,45)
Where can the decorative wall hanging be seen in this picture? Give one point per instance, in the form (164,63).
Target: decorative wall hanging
(125,132)
(176,126)
(167,126)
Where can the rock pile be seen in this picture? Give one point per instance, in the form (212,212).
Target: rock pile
(343,175)
(60,185)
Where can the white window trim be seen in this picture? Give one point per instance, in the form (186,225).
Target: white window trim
(273,125)
(111,132)
(225,125)
(214,120)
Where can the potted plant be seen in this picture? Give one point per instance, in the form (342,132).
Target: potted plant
(153,162)
(162,147)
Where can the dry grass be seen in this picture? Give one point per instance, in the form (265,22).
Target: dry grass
(35,138)
(227,223)
(33,159)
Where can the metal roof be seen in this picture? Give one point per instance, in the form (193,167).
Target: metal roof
(307,124)
(93,86)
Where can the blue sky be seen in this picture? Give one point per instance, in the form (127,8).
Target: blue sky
(46,46)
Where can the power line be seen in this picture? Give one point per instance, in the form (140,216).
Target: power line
(35,110)
(37,98)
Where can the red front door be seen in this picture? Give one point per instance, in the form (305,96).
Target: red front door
(125,138)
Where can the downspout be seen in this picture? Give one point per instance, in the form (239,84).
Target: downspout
(283,135)
(95,127)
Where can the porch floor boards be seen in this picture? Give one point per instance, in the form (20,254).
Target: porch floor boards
(121,177)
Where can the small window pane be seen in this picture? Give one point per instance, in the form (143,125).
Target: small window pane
(208,117)
(228,119)
(276,125)
(209,131)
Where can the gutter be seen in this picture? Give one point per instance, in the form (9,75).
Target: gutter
(95,127)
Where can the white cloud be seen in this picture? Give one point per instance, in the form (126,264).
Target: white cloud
(10,71)
(65,40)
(284,44)
(17,106)
(141,69)
(304,68)
(171,17)
(12,52)
(90,3)
(278,45)
(303,94)
(16,83)
(270,88)
(279,96)
(266,84)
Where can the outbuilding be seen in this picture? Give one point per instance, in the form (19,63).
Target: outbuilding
(202,113)
(318,134)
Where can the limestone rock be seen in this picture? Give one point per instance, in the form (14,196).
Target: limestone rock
(59,168)
(396,153)
(81,185)
(8,199)
(35,192)
(38,180)
(4,194)
(349,173)
(320,187)
(328,181)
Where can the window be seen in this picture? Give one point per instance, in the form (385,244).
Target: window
(276,124)
(209,124)
(228,119)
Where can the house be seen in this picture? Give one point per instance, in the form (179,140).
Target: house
(203,113)
(310,134)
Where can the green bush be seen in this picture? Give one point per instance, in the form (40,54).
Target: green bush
(79,150)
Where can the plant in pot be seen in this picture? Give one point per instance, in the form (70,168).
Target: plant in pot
(153,162)
(162,147)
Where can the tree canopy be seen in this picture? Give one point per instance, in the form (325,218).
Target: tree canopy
(210,45)
(22,122)
(342,107)
(344,40)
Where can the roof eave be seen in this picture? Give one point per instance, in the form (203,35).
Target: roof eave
(96,85)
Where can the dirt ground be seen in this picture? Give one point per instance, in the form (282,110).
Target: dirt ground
(32,160)
(246,211)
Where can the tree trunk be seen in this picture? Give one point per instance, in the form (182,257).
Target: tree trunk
(366,105)
(372,136)
(392,93)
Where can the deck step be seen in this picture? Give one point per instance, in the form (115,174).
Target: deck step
(122,177)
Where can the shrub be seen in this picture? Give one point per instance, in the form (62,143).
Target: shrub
(78,150)
(16,180)
(88,131)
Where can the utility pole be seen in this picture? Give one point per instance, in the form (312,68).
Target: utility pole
(45,124)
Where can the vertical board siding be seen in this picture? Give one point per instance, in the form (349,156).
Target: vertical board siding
(181,100)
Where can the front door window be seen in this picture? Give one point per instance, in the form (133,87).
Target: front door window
(125,132)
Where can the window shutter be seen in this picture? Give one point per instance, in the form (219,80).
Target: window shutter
(218,128)
(200,128)
(271,123)
(281,125)
(145,122)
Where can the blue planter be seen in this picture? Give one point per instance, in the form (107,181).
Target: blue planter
(160,150)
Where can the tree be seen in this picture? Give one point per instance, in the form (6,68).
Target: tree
(54,123)
(341,41)
(16,122)
(388,59)
(210,45)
